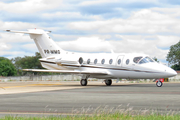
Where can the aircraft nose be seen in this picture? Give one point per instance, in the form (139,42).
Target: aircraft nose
(171,72)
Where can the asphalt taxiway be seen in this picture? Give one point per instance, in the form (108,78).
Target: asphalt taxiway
(54,98)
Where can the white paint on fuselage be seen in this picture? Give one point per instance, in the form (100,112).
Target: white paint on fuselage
(151,70)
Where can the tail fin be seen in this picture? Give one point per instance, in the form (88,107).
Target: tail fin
(46,46)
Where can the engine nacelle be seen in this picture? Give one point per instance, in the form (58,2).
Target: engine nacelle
(70,61)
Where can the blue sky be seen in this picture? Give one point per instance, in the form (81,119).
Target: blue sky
(140,26)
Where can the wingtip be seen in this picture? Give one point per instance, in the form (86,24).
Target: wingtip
(7,30)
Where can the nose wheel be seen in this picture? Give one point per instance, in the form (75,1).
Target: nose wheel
(108,82)
(84,82)
(159,83)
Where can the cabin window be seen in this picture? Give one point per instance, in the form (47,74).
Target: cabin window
(127,61)
(80,60)
(95,61)
(119,61)
(102,61)
(88,61)
(137,59)
(110,61)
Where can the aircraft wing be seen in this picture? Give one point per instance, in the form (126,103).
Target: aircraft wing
(68,71)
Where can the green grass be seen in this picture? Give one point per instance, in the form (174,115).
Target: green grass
(114,116)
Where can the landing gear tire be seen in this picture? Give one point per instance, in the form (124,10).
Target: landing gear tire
(159,83)
(108,82)
(83,82)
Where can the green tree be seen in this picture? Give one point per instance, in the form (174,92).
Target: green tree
(27,62)
(173,56)
(175,67)
(6,67)
(154,58)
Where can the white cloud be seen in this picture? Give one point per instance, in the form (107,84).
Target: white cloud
(174,12)
(30,47)
(4,46)
(158,40)
(139,46)
(86,44)
(95,44)
(29,6)
(14,38)
(95,2)
(74,15)
(61,14)
(12,54)
(17,25)
(143,21)
(13,45)
(166,41)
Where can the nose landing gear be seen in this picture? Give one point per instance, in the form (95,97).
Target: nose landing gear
(159,83)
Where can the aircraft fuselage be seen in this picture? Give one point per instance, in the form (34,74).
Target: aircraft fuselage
(117,65)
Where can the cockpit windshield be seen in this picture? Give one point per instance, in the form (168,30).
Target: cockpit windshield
(146,60)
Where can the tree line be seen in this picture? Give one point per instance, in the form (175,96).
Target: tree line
(14,66)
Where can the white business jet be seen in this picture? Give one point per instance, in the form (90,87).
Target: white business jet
(99,65)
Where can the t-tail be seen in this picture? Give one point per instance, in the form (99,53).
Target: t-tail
(46,46)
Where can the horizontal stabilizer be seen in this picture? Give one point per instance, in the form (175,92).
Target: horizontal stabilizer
(67,71)
(25,32)
(30,31)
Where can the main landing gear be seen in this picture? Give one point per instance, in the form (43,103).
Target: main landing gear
(108,82)
(84,82)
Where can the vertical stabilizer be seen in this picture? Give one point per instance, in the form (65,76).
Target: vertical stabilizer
(46,46)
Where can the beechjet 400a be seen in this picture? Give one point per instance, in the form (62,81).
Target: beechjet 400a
(99,65)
